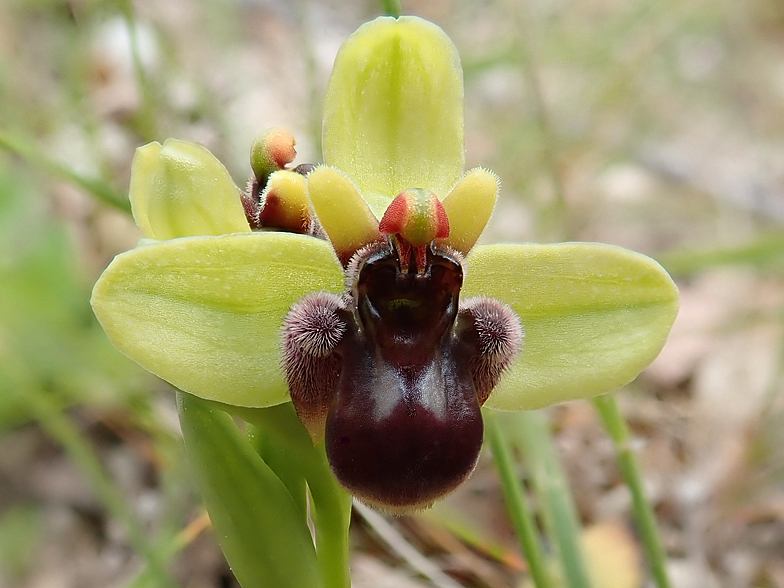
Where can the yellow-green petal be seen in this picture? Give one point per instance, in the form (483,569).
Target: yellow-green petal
(594,317)
(468,207)
(180,189)
(343,213)
(204,313)
(393,110)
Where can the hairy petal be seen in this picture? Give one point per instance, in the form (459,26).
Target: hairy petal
(594,317)
(344,215)
(393,110)
(468,207)
(499,337)
(205,313)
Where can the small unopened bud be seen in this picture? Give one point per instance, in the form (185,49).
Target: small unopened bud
(285,204)
(271,152)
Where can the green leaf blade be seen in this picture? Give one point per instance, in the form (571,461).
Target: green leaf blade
(204,313)
(594,317)
(261,530)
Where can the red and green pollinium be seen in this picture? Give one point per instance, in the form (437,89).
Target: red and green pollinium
(415,218)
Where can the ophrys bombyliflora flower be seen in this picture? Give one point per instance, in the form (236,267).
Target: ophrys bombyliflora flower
(400,327)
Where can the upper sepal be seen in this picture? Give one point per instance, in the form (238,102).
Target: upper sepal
(594,316)
(180,189)
(393,110)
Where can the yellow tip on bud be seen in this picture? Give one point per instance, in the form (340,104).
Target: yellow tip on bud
(285,204)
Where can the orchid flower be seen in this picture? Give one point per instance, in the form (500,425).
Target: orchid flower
(356,289)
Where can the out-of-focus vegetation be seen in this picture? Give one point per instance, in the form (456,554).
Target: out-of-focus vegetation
(655,125)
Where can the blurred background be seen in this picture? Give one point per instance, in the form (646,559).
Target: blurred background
(657,125)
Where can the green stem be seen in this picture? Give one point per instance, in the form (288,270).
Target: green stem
(36,157)
(516,502)
(278,456)
(285,445)
(614,423)
(392,8)
(530,432)
(331,518)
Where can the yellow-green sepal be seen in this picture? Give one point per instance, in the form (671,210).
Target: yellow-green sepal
(180,188)
(393,110)
(594,316)
(204,313)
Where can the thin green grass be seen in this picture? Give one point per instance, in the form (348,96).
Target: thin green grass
(520,513)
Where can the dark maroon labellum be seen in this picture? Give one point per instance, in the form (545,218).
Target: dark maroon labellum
(393,374)
(405,427)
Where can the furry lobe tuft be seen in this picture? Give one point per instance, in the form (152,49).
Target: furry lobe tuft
(500,337)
